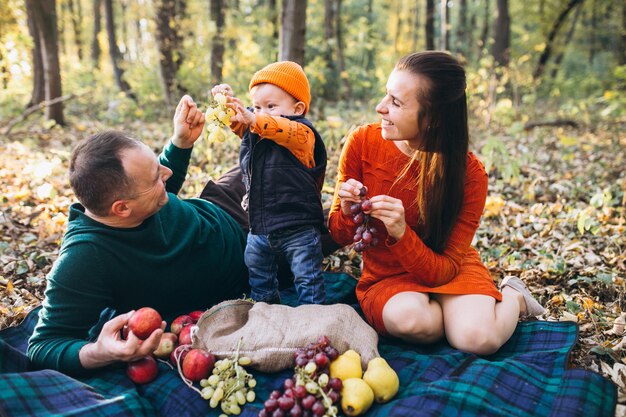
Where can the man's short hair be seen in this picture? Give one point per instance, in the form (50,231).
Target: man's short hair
(97,174)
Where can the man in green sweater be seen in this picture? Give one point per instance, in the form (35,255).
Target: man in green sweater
(130,243)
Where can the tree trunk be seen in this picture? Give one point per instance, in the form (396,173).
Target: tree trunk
(399,23)
(593,31)
(502,34)
(76,17)
(4,72)
(621,56)
(416,24)
(275,32)
(484,35)
(369,51)
(444,39)
(341,61)
(293,31)
(217,47)
(430,25)
(95,43)
(168,41)
(462,33)
(39,93)
(545,55)
(44,15)
(331,86)
(114,51)
(568,38)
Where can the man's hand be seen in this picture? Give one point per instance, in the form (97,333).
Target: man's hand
(110,348)
(188,123)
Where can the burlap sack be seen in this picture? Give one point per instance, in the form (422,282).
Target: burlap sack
(271,333)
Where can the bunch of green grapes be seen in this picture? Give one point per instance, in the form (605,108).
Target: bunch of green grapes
(230,386)
(218,119)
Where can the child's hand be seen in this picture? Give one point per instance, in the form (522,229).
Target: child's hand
(224,89)
(242,114)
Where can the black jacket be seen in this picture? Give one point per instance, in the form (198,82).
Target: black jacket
(282,192)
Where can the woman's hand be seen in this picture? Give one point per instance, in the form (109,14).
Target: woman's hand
(390,211)
(349,193)
(111,348)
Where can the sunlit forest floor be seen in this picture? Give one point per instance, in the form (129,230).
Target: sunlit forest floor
(559,222)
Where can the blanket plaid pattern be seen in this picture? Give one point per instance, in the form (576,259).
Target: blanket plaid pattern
(526,377)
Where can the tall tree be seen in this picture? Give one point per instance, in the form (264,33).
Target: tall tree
(293,31)
(484,34)
(341,61)
(556,27)
(593,30)
(97,27)
(621,55)
(502,34)
(568,38)
(273,10)
(168,40)
(444,39)
(217,47)
(415,25)
(331,86)
(114,52)
(44,16)
(76,13)
(39,92)
(430,25)
(462,30)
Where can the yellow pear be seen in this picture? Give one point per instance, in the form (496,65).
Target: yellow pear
(347,365)
(382,379)
(356,396)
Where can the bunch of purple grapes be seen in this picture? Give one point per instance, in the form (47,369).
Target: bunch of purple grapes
(365,235)
(310,392)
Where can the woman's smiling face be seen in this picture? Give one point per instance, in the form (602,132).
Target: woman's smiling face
(399,108)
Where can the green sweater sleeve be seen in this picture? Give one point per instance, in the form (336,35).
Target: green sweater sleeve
(75,297)
(177,160)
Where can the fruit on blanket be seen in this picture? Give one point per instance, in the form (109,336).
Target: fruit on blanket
(197,365)
(142,370)
(166,345)
(382,379)
(195,315)
(356,396)
(184,338)
(180,322)
(144,321)
(347,365)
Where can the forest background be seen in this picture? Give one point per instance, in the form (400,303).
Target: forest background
(546,91)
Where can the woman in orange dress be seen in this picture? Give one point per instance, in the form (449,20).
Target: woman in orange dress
(423,280)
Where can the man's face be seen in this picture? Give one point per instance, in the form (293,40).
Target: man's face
(148,194)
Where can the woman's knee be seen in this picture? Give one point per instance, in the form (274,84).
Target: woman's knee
(474,338)
(413,320)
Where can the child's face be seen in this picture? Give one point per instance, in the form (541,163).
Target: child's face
(273,100)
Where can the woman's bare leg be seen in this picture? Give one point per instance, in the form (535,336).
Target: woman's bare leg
(414,317)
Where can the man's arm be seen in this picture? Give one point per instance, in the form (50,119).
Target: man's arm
(188,125)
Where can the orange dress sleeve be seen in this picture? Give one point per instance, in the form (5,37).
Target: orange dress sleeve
(435,269)
(368,158)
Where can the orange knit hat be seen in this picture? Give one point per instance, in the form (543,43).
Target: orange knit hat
(287,75)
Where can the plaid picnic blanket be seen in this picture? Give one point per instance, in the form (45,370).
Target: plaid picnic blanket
(526,377)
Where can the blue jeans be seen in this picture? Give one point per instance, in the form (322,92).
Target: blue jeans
(303,250)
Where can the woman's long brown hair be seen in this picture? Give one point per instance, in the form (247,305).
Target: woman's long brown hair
(442,122)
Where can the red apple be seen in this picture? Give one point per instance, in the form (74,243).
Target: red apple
(198,364)
(184,338)
(143,370)
(180,322)
(195,315)
(166,345)
(144,321)
(181,351)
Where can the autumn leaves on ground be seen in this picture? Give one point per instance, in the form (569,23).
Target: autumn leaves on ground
(559,221)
